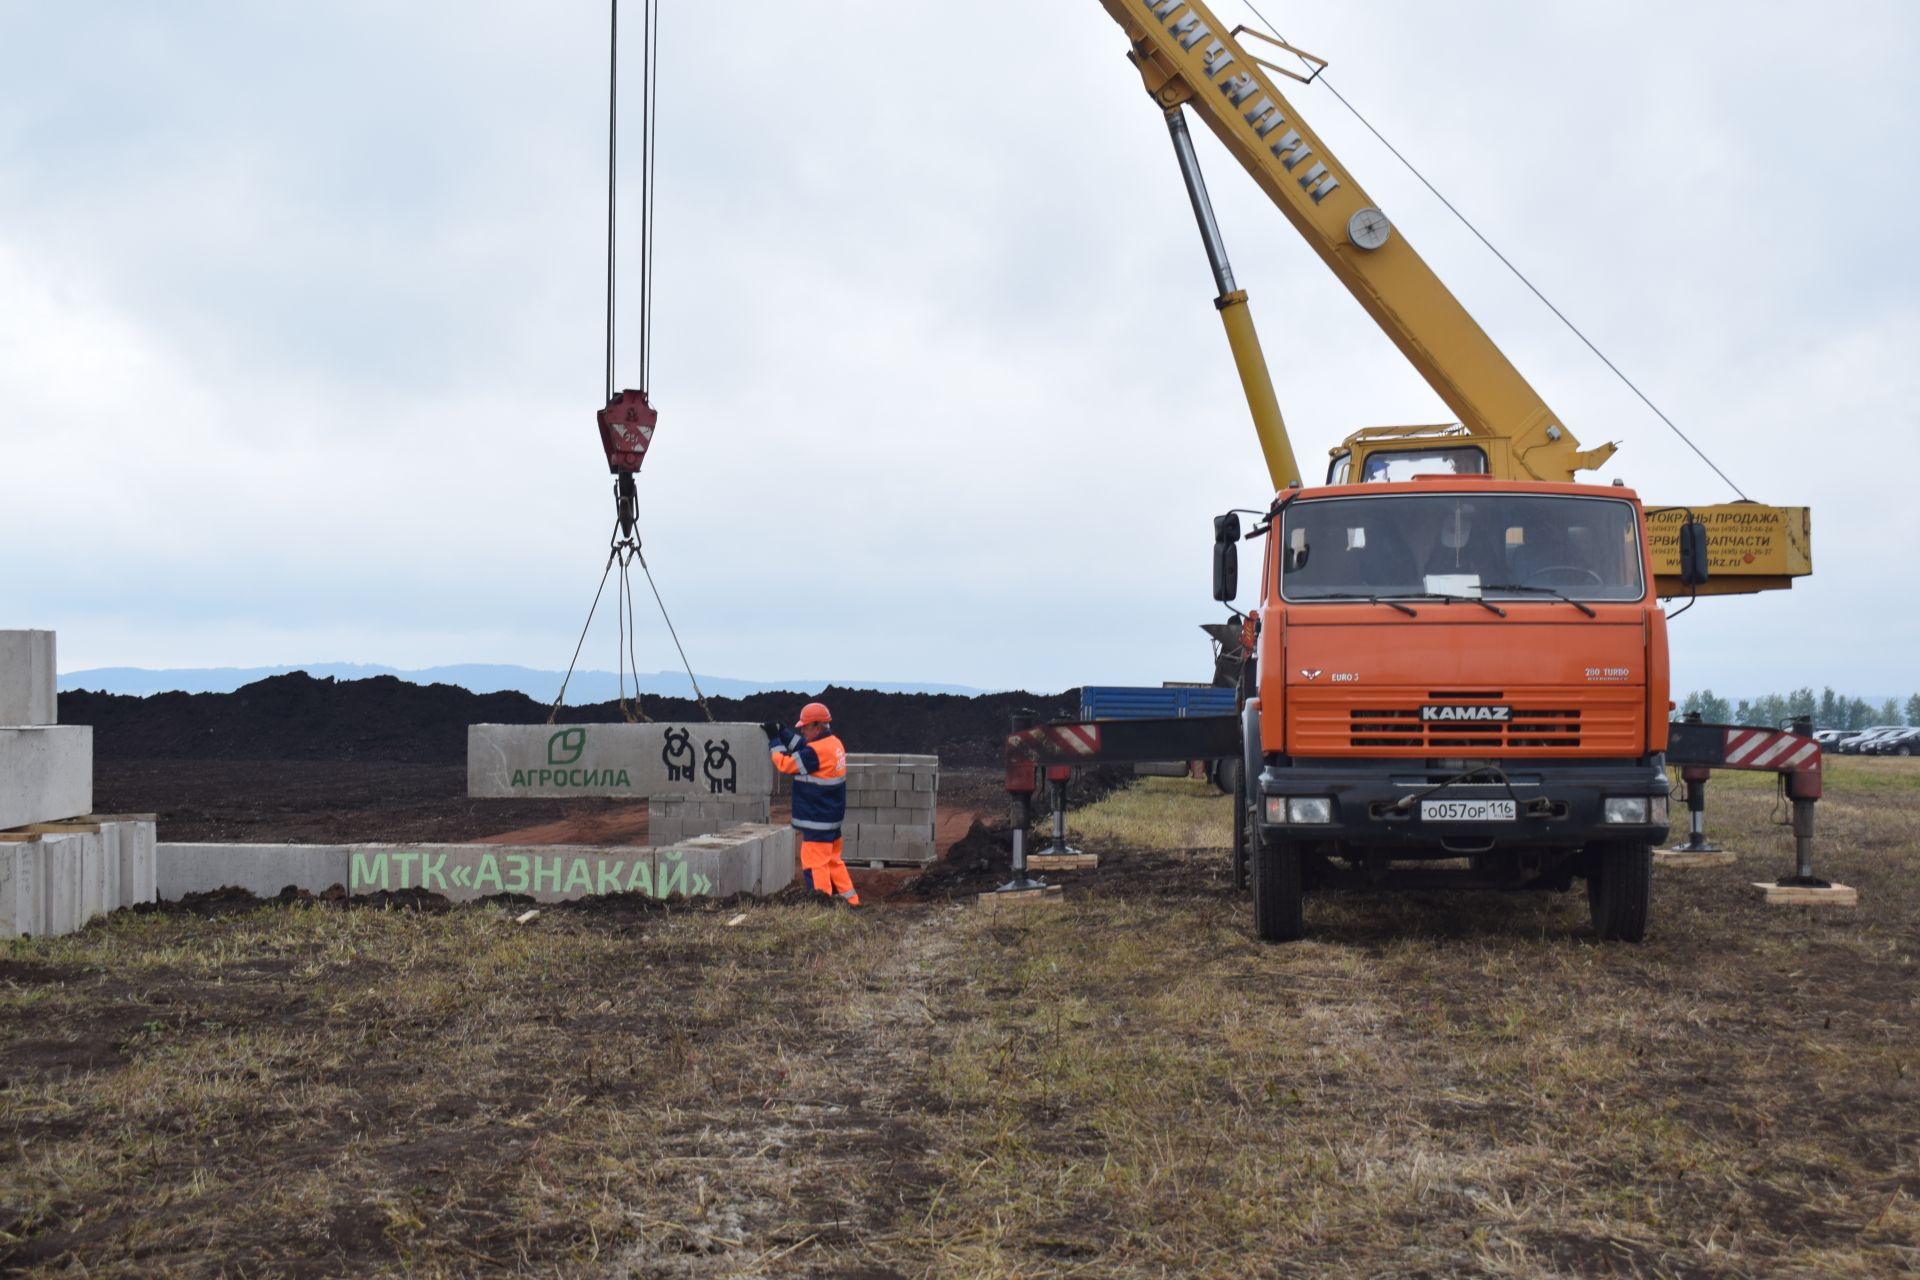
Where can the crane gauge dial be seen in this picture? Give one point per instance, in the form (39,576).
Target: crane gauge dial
(1368,229)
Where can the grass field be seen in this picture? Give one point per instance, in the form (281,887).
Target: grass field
(1125,1085)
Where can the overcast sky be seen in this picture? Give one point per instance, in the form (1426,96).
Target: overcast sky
(301,321)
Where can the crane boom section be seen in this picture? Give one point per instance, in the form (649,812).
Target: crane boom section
(1187,56)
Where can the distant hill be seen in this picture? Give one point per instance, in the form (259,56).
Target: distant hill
(482,678)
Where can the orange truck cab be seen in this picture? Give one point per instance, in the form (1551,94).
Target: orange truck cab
(1457,680)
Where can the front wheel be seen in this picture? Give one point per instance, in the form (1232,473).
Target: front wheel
(1276,888)
(1620,889)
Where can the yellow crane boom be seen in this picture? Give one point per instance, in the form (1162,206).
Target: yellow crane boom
(1188,58)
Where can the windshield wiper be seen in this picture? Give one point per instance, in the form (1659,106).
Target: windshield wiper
(1488,605)
(1360,595)
(1557,594)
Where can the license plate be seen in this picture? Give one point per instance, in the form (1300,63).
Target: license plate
(1466,811)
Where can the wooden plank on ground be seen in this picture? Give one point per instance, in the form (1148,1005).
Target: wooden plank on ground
(1063,861)
(1793,895)
(62,828)
(1021,899)
(18,837)
(1687,861)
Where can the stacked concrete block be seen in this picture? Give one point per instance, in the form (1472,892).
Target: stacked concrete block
(891,803)
(27,680)
(46,773)
(54,880)
(59,868)
(671,818)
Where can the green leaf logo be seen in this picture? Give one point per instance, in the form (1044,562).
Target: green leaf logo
(565,746)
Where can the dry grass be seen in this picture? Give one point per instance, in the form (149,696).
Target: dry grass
(1129,1085)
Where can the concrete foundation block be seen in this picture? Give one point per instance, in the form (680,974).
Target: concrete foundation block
(137,841)
(46,773)
(27,678)
(261,869)
(631,761)
(23,894)
(65,881)
(779,858)
(671,819)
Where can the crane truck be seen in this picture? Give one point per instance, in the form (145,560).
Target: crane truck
(1456,672)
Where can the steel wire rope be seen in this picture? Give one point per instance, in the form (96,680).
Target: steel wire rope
(691,678)
(649,154)
(1318,78)
(554,711)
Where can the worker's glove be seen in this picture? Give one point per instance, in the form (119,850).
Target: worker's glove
(775,734)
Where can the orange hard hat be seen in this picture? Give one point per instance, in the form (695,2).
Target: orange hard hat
(815,713)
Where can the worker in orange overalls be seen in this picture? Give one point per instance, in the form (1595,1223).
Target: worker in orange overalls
(817,763)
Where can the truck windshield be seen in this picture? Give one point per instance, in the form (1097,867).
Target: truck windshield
(1491,545)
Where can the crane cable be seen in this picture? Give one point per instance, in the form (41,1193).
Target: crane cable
(1504,261)
(625,551)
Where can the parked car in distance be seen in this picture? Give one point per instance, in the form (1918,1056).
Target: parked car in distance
(1832,737)
(1859,742)
(1901,742)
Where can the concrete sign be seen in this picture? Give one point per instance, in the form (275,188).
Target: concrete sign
(630,761)
(755,859)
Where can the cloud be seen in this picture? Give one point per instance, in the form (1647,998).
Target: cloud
(302,335)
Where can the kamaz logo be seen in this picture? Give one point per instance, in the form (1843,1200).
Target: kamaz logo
(1492,715)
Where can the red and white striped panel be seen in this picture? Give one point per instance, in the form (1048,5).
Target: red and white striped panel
(1074,739)
(1770,749)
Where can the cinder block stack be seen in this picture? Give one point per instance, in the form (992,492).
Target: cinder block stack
(671,819)
(59,866)
(890,808)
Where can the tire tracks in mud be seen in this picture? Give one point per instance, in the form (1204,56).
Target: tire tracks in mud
(834,1157)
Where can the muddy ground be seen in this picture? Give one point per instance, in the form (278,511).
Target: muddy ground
(1126,1085)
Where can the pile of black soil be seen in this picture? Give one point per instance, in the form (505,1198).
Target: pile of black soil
(296,717)
(980,860)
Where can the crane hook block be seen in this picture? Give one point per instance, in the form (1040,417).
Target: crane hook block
(626,429)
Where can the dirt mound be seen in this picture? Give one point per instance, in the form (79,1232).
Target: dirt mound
(980,860)
(296,717)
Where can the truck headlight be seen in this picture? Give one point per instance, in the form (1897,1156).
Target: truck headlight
(1309,809)
(1632,809)
(1660,810)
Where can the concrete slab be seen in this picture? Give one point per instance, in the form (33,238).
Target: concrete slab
(631,761)
(46,773)
(23,895)
(137,838)
(261,869)
(27,679)
(66,875)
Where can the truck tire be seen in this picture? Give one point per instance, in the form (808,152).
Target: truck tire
(1620,889)
(1276,888)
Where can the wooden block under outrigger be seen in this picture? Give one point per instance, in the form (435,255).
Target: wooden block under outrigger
(1017,899)
(1688,861)
(1063,861)
(1796,895)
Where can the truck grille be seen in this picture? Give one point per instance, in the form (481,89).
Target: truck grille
(1401,728)
(1384,723)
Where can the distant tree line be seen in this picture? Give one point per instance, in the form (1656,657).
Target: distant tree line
(1828,709)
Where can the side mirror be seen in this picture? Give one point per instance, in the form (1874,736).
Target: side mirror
(1226,557)
(1693,553)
